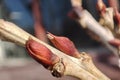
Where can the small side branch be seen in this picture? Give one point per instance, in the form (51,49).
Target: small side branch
(103,30)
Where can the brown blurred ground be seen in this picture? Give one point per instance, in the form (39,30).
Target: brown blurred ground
(34,71)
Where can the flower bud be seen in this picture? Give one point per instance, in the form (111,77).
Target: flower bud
(41,53)
(73,15)
(64,44)
(117,17)
(115,42)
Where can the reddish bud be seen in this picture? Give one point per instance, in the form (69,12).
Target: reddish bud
(64,44)
(73,15)
(117,17)
(115,42)
(101,7)
(41,53)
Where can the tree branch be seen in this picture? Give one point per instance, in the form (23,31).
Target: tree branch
(84,68)
(104,33)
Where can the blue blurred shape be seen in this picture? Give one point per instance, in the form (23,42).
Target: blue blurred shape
(19,13)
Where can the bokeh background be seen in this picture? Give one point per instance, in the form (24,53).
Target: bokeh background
(16,64)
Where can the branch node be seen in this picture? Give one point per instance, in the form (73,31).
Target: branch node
(58,68)
(85,57)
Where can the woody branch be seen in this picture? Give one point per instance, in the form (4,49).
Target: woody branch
(84,67)
(104,29)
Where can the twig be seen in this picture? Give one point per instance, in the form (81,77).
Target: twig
(105,35)
(84,69)
(76,3)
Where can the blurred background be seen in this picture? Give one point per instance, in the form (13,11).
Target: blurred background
(52,15)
